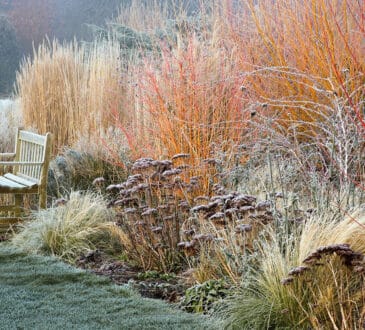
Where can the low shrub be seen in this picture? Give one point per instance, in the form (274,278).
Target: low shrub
(82,224)
(151,206)
(76,170)
(165,224)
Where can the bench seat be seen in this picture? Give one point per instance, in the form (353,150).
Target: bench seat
(10,183)
(25,173)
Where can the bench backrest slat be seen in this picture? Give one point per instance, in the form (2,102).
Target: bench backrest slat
(31,147)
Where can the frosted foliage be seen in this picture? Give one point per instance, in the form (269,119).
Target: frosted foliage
(10,119)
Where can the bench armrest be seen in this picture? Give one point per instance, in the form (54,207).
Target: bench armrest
(7,155)
(20,163)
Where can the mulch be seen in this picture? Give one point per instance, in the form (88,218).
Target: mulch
(121,272)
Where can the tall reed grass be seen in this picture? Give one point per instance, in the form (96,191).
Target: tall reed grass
(145,16)
(71,90)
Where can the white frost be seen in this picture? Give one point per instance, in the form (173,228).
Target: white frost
(10,119)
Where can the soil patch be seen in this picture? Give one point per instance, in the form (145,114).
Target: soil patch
(150,285)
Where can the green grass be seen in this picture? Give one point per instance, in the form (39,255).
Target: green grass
(43,293)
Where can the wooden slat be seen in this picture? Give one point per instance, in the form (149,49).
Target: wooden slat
(8,183)
(8,208)
(9,220)
(20,163)
(32,137)
(26,177)
(7,155)
(8,226)
(20,180)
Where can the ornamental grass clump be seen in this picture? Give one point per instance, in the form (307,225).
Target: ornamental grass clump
(10,120)
(76,226)
(313,279)
(331,278)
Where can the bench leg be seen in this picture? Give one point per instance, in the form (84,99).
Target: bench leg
(43,199)
(18,199)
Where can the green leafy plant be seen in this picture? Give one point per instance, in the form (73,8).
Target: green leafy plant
(153,274)
(202,297)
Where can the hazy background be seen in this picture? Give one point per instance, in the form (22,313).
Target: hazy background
(25,23)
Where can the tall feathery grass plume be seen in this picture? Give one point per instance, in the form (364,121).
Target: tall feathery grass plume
(71,90)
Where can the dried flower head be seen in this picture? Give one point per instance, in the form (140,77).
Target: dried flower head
(179,156)
(287,280)
(156,229)
(298,270)
(149,211)
(243,228)
(60,202)
(263,205)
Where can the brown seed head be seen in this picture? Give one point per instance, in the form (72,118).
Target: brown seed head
(243,228)
(129,210)
(113,187)
(217,216)
(203,237)
(298,270)
(200,208)
(127,201)
(246,209)
(287,280)
(157,229)
(179,156)
(59,202)
(148,212)
(243,200)
(168,218)
(263,205)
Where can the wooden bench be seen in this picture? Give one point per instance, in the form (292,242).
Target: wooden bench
(24,172)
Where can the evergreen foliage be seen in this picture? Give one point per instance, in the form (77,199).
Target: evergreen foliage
(9,55)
